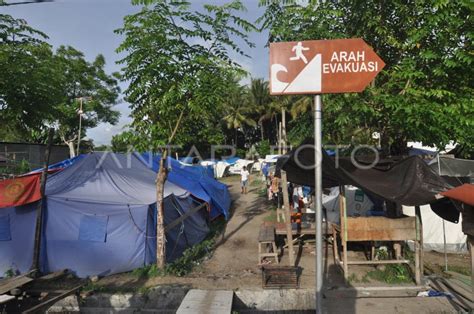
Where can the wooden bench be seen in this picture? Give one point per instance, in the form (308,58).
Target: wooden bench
(266,244)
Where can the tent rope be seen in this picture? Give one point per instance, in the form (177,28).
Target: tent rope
(137,227)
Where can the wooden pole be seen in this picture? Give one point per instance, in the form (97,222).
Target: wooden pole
(343,220)
(422,252)
(470,240)
(418,250)
(286,205)
(279,138)
(39,210)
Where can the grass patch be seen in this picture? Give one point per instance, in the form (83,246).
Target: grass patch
(256,182)
(92,286)
(271,217)
(262,192)
(191,258)
(391,274)
(463,270)
(352,278)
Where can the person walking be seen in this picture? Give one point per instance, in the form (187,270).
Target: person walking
(244,179)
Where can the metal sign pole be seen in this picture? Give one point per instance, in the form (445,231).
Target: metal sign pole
(318,199)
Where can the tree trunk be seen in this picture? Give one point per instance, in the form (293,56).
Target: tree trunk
(283,130)
(262,134)
(72,152)
(160,227)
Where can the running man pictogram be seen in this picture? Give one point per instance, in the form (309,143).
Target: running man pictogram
(298,49)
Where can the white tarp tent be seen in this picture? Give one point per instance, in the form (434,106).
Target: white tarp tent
(220,167)
(357,203)
(433,231)
(239,164)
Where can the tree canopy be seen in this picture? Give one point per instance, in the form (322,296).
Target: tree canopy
(39,87)
(179,66)
(425,92)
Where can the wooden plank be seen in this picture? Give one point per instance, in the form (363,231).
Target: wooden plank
(206,301)
(4,298)
(286,203)
(174,223)
(389,261)
(11,283)
(54,276)
(381,229)
(266,234)
(49,302)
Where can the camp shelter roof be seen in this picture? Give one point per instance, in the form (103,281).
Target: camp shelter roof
(231,160)
(408,182)
(196,182)
(108,178)
(463,193)
(453,167)
(60,165)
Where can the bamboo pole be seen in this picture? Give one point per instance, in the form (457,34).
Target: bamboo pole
(286,206)
(422,253)
(343,220)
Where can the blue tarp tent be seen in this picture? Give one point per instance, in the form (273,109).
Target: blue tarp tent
(17,225)
(60,165)
(231,160)
(99,219)
(197,183)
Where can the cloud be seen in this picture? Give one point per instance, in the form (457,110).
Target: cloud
(102,134)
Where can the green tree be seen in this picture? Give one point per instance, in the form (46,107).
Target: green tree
(425,92)
(238,111)
(177,64)
(86,82)
(260,100)
(39,87)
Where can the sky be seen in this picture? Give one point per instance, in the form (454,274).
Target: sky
(88,25)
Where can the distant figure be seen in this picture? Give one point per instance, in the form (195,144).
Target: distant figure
(298,49)
(297,196)
(244,178)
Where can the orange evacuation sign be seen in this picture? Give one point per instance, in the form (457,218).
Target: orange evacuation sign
(322,66)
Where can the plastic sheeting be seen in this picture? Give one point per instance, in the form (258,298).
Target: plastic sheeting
(452,167)
(408,182)
(16,254)
(100,219)
(433,231)
(197,183)
(357,204)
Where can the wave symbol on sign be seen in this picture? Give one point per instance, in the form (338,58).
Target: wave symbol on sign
(307,81)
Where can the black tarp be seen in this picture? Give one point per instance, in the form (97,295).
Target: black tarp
(407,182)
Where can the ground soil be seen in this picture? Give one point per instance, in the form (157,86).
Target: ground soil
(234,263)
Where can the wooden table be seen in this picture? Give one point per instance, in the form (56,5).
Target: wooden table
(377,229)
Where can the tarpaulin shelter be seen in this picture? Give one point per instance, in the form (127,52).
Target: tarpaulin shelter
(196,182)
(99,219)
(452,167)
(409,181)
